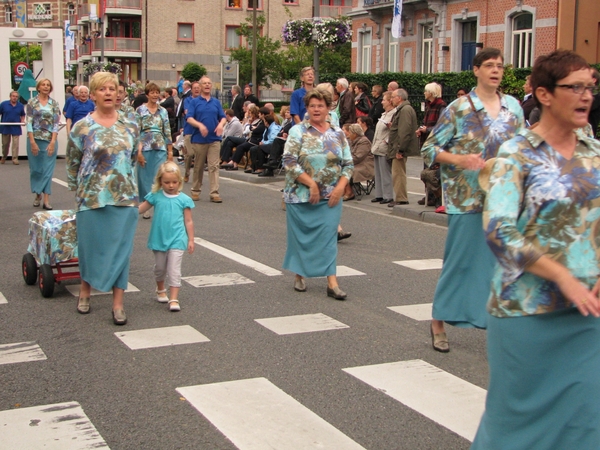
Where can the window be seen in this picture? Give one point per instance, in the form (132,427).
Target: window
(185,32)
(336,2)
(392,52)
(291,2)
(522,37)
(234,4)
(8,16)
(427,48)
(258,4)
(71,12)
(365,52)
(232,39)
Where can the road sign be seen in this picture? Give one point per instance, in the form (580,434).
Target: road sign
(20,68)
(18,79)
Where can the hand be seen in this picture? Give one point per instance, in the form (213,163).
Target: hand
(219,130)
(141,160)
(34,149)
(399,156)
(472,162)
(418,132)
(315,194)
(586,301)
(203,129)
(335,196)
(190,248)
(51,147)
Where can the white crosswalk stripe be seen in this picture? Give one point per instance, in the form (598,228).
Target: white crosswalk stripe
(421,264)
(442,397)
(75,288)
(256,414)
(417,312)
(21,352)
(161,337)
(306,323)
(222,279)
(3,298)
(61,426)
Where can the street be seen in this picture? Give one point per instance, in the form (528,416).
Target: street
(248,363)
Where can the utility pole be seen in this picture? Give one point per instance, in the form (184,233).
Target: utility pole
(316,13)
(254,45)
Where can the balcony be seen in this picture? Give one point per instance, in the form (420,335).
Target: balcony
(124,7)
(334,11)
(84,52)
(117,47)
(369,3)
(83,13)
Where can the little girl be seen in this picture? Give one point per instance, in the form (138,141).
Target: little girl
(172,230)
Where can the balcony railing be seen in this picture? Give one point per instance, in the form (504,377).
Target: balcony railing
(377,2)
(334,11)
(117,44)
(85,49)
(124,4)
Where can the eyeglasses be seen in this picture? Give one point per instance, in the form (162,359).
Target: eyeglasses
(579,88)
(492,65)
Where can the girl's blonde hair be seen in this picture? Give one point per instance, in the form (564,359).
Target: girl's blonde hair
(167,167)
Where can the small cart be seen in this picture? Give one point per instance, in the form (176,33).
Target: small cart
(52,249)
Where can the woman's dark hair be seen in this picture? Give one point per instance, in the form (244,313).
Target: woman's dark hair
(151,87)
(550,69)
(264,111)
(366,120)
(485,54)
(362,86)
(269,118)
(319,94)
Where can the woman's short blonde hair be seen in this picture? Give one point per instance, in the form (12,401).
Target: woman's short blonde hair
(253,110)
(39,83)
(356,129)
(319,94)
(167,167)
(327,86)
(434,89)
(99,79)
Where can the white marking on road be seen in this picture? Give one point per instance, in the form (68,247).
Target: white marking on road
(61,426)
(61,182)
(3,298)
(161,337)
(442,397)
(345,271)
(255,414)
(421,264)
(259,267)
(21,352)
(220,279)
(75,288)
(305,323)
(416,312)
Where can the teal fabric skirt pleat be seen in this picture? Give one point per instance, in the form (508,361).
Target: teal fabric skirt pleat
(463,288)
(146,174)
(105,243)
(312,238)
(544,390)
(41,167)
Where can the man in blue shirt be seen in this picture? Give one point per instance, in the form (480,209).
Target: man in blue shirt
(206,115)
(297,108)
(11,111)
(188,130)
(71,99)
(80,108)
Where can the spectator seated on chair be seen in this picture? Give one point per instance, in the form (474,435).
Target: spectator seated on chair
(230,143)
(364,165)
(260,152)
(257,129)
(276,148)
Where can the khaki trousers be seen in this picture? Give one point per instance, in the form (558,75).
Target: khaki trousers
(189,156)
(6,143)
(201,153)
(399,179)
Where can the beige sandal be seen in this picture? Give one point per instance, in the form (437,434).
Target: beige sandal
(162,298)
(174,305)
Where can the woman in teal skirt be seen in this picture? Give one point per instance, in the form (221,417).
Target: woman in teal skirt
(542,220)
(100,170)
(156,145)
(43,117)
(318,167)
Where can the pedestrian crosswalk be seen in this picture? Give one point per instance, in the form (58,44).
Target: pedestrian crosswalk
(3,298)
(21,352)
(306,323)
(161,337)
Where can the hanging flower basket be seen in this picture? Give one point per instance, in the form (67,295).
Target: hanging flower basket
(324,33)
(91,68)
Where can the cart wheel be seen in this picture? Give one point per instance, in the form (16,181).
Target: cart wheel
(46,281)
(29,267)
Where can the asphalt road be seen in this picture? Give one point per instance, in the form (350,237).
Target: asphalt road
(131,398)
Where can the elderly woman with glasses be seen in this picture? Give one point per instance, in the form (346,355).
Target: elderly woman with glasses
(541,219)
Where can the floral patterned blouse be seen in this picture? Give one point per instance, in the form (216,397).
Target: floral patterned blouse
(325,157)
(540,203)
(42,120)
(460,131)
(99,163)
(156,131)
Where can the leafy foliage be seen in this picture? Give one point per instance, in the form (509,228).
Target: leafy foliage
(18,53)
(324,33)
(193,71)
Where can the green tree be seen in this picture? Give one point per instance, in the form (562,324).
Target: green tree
(18,53)
(193,71)
(269,58)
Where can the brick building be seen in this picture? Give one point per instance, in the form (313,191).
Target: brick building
(444,35)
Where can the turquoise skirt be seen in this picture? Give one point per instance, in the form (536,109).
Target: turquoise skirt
(544,390)
(463,289)
(312,238)
(105,243)
(41,167)
(146,174)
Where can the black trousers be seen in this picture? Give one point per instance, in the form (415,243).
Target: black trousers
(229,143)
(241,150)
(259,154)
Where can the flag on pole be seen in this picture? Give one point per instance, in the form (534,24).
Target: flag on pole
(397,21)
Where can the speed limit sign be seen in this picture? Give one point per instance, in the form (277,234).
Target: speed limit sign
(20,68)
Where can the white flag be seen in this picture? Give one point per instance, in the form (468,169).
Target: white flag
(397,21)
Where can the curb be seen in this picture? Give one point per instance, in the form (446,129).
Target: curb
(421,214)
